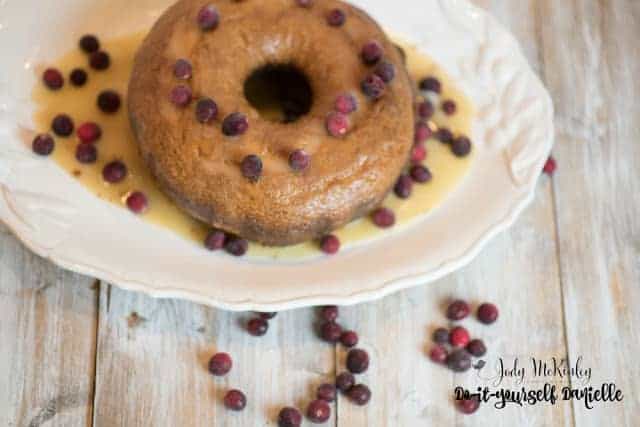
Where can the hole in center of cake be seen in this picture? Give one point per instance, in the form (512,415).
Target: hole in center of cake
(280,92)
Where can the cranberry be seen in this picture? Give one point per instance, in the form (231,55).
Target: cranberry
(337,124)
(403,187)
(383,217)
(235,124)
(180,96)
(89,43)
(459,361)
(78,77)
(89,132)
(476,348)
(468,406)
(268,316)
(53,79)
(441,335)
(550,166)
(220,364)
(330,244)
(458,310)
(459,337)
(345,381)
(357,361)
(99,60)
(208,18)
(257,326)
(359,394)
(425,110)
(372,52)
(215,240)
(182,69)
(420,174)
(304,3)
(418,153)
(236,246)
(422,132)
(318,411)
(386,71)
(43,144)
(206,110)
(114,171)
(336,18)
(109,101)
(251,167)
(461,146)
(487,313)
(346,103)
(438,354)
(349,339)
(430,84)
(137,202)
(299,160)
(235,400)
(444,135)
(62,125)
(373,87)
(330,332)
(289,417)
(326,392)
(86,153)
(329,313)
(449,107)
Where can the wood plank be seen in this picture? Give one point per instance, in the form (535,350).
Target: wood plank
(592,64)
(47,337)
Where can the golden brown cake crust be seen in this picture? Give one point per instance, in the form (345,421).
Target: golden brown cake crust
(198,166)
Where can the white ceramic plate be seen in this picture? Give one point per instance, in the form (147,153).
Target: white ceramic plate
(58,219)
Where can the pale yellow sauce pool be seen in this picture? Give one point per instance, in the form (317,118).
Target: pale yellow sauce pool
(117,143)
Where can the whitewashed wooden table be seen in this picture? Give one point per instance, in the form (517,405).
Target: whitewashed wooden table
(76,352)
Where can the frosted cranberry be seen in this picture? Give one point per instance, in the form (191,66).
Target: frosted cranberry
(215,240)
(468,406)
(386,71)
(373,87)
(337,124)
(449,107)
(208,18)
(220,364)
(43,144)
(430,84)
(114,171)
(235,400)
(476,348)
(345,381)
(403,187)
(461,146)
(383,217)
(550,166)
(422,132)
(86,153)
(336,18)
(487,313)
(459,361)
(441,335)
(357,361)
(257,326)
(349,339)
(359,394)
(329,313)
(62,125)
(330,332)
(372,52)
(346,103)
(438,354)
(418,153)
(425,110)
(53,79)
(89,43)
(326,392)
(444,135)
(206,110)
(99,60)
(268,316)
(89,132)
(318,411)
(236,246)
(299,160)
(78,77)
(235,124)
(289,417)
(304,3)
(109,101)
(182,69)
(251,167)
(330,244)
(137,202)
(420,174)
(458,310)
(180,96)
(459,337)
